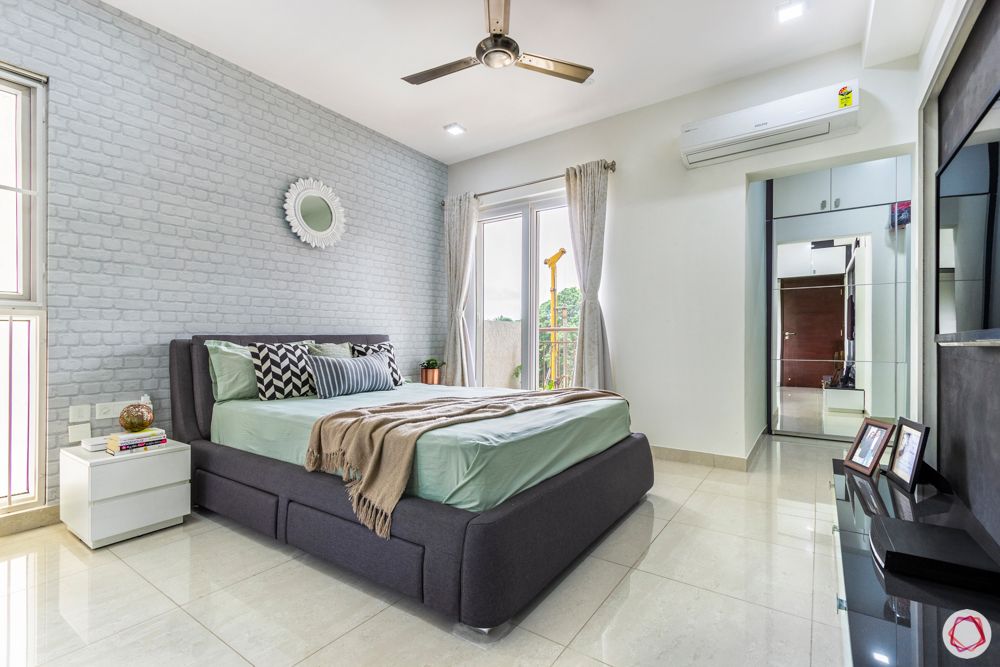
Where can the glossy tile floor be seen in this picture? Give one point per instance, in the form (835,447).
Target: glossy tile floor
(800,410)
(715,567)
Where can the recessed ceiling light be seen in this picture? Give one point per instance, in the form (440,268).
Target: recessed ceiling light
(790,10)
(454,129)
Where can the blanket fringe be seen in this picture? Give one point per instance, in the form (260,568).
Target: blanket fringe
(371,516)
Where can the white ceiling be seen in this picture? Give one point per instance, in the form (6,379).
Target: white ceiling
(349,56)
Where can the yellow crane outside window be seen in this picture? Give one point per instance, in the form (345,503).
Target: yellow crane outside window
(553,305)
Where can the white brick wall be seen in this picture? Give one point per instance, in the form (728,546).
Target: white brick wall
(167,170)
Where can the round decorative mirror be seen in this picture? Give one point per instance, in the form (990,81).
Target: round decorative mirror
(314,212)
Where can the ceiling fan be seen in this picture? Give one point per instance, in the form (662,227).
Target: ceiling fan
(498,50)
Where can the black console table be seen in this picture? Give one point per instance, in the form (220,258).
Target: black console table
(891,620)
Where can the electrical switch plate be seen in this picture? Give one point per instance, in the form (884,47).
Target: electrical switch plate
(110,410)
(79,413)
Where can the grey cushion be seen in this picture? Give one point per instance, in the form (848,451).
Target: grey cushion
(340,377)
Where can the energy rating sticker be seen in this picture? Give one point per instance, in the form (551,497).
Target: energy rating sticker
(845,97)
(966,634)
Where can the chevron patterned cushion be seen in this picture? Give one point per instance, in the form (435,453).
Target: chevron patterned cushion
(282,370)
(363,350)
(340,377)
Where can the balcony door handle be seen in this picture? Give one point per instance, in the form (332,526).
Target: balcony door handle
(789,334)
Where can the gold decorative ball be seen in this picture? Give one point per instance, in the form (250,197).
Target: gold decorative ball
(136,417)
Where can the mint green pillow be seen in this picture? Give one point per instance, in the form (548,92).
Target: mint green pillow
(231,369)
(335,350)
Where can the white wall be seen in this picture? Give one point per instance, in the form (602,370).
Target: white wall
(756,295)
(677,253)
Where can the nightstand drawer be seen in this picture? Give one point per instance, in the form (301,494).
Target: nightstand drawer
(113,517)
(143,472)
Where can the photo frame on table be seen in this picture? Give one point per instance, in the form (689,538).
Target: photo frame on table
(907,454)
(869,445)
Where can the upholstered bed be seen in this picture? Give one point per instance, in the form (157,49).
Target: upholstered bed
(478,567)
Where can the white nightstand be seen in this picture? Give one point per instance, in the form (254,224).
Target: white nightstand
(105,499)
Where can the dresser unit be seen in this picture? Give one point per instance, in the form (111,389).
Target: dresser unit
(106,499)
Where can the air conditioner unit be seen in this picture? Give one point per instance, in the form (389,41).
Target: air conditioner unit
(815,115)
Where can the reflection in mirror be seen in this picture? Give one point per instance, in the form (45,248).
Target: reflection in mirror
(316,213)
(839,302)
(968,248)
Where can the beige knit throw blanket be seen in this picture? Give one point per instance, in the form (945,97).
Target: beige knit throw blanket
(372,448)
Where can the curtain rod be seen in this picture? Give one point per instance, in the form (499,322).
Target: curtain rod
(20,71)
(611,167)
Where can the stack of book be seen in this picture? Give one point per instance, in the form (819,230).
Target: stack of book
(140,441)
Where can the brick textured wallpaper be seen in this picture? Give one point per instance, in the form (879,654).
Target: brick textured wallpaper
(167,170)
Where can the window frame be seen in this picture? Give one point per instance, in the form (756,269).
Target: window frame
(31,300)
(527,208)
(33,191)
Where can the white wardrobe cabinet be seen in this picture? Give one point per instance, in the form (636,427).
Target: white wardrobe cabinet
(802,193)
(863,184)
(851,186)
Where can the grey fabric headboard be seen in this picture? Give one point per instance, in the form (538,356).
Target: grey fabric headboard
(191,399)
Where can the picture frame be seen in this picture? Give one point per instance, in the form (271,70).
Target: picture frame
(907,454)
(869,445)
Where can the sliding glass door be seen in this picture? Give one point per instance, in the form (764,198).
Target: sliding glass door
(527,296)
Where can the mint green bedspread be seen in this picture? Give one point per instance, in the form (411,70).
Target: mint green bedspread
(473,466)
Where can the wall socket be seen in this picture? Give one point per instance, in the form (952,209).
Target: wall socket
(78,432)
(110,410)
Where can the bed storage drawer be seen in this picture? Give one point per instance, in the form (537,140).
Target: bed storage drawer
(251,507)
(395,563)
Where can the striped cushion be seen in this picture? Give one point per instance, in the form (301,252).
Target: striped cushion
(361,350)
(339,377)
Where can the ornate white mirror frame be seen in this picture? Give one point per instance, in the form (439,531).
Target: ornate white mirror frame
(314,212)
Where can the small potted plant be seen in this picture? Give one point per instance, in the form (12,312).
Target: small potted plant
(430,371)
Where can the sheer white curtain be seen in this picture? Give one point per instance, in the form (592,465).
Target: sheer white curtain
(461,214)
(587,198)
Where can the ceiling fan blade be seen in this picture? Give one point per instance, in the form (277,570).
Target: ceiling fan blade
(553,67)
(497,16)
(441,70)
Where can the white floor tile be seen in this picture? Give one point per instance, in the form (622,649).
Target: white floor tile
(649,620)
(194,524)
(282,615)
(173,639)
(71,612)
(749,518)
(571,658)
(663,500)
(827,646)
(196,565)
(37,556)
(825,591)
(562,611)
(824,537)
(407,634)
(695,471)
(790,489)
(627,541)
(766,574)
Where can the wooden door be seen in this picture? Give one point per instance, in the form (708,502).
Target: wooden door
(812,329)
